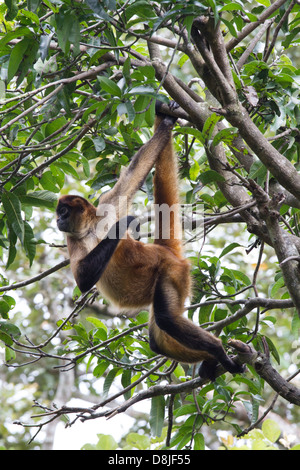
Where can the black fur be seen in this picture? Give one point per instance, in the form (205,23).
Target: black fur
(91,268)
(153,344)
(183,331)
(208,369)
(191,336)
(172,106)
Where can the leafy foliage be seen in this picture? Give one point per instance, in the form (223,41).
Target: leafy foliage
(78,82)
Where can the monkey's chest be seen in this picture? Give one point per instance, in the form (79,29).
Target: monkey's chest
(127,287)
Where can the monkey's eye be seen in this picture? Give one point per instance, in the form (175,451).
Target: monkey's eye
(63,212)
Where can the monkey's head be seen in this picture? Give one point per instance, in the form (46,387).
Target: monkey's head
(75,215)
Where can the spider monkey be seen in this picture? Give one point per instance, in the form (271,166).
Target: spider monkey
(134,275)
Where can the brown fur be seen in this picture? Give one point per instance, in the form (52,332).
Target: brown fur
(138,275)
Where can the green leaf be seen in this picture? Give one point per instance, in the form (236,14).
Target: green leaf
(229,248)
(4,309)
(125,381)
(210,176)
(141,8)
(272,349)
(19,32)
(105,442)
(142,317)
(230,27)
(109,380)
(12,251)
(40,199)
(8,330)
(81,331)
(97,323)
(138,441)
(157,415)
(232,7)
(199,442)
(257,170)
(67,169)
(85,166)
(97,8)
(277,286)
(103,180)
(16,57)
(142,90)
(110,86)
(240,276)
(193,132)
(266,3)
(271,430)
(68,30)
(74,32)
(226,136)
(53,126)
(126,108)
(194,171)
(12,9)
(29,242)
(12,208)
(48,182)
(31,16)
(295,327)
(254,409)
(100,369)
(209,126)
(99,143)
(33,5)
(9,354)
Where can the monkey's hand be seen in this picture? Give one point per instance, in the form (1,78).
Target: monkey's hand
(162,111)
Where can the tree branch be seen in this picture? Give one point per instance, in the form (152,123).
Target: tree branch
(36,278)
(279,166)
(263,367)
(252,26)
(286,251)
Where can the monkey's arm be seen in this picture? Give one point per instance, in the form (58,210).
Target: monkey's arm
(91,267)
(133,177)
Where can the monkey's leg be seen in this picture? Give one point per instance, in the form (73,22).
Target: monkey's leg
(197,343)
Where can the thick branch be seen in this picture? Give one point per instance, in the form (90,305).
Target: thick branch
(210,43)
(252,26)
(263,367)
(286,250)
(278,28)
(244,57)
(279,166)
(198,112)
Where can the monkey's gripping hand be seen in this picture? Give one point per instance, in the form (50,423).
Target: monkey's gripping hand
(159,112)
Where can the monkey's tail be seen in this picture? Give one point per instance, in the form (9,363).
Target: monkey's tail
(166,198)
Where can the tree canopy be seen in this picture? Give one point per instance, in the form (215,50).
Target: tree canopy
(78,85)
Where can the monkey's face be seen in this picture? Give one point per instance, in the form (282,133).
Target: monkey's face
(74,215)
